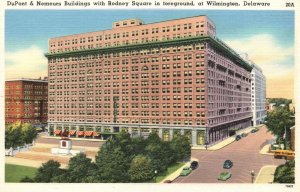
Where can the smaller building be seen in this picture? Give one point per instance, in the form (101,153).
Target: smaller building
(272,106)
(292,106)
(258,95)
(26,100)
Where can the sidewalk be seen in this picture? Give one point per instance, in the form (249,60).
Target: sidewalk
(224,142)
(176,173)
(266,174)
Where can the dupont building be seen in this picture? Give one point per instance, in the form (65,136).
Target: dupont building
(26,101)
(258,94)
(171,77)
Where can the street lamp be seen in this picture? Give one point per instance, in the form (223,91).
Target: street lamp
(252,176)
(155,172)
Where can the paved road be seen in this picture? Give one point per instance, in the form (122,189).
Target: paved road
(243,153)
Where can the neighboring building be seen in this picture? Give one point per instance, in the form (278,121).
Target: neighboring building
(258,95)
(272,106)
(292,106)
(282,105)
(293,138)
(26,101)
(171,77)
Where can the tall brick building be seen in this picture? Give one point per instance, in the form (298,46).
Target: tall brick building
(171,77)
(26,101)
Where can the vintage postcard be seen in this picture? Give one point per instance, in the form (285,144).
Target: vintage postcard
(161,95)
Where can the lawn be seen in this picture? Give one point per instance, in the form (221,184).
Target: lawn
(14,173)
(170,170)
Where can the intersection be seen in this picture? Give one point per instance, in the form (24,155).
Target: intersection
(243,153)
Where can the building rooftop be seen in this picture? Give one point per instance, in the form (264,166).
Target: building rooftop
(45,80)
(138,23)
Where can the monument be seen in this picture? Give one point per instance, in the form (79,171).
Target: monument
(65,146)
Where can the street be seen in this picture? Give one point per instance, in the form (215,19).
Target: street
(243,153)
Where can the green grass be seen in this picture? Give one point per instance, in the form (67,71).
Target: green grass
(14,173)
(170,170)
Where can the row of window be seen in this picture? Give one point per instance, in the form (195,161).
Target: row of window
(133,33)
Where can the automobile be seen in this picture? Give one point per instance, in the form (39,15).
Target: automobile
(227,164)
(254,130)
(244,134)
(194,165)
(167,181)
(238,137)
(224,176)
(185,171)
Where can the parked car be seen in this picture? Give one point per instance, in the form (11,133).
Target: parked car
(185,171)
(238,137)
(224,176)
(254,130)
(227,164)
(194,165)
(244,134)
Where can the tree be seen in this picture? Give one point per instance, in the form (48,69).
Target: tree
(48,171)
(153,138)
(26,179)
(158,154)
(280,101)
(13,135)
(113,164)
(80,169)
(29,133)
(279,120)
(161,152)
(182,147)
(124,142)
(138,146)
(141,169)
(285,173)
(17,134)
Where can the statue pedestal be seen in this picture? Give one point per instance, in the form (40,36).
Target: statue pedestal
(65,148)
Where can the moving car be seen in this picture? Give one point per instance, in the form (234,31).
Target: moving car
(227,164)
(238,137)
(194,165)
(224,176)
(185,171)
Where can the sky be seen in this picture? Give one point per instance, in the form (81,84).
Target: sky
(266,36)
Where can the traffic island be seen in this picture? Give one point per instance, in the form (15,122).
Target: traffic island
(266,174)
